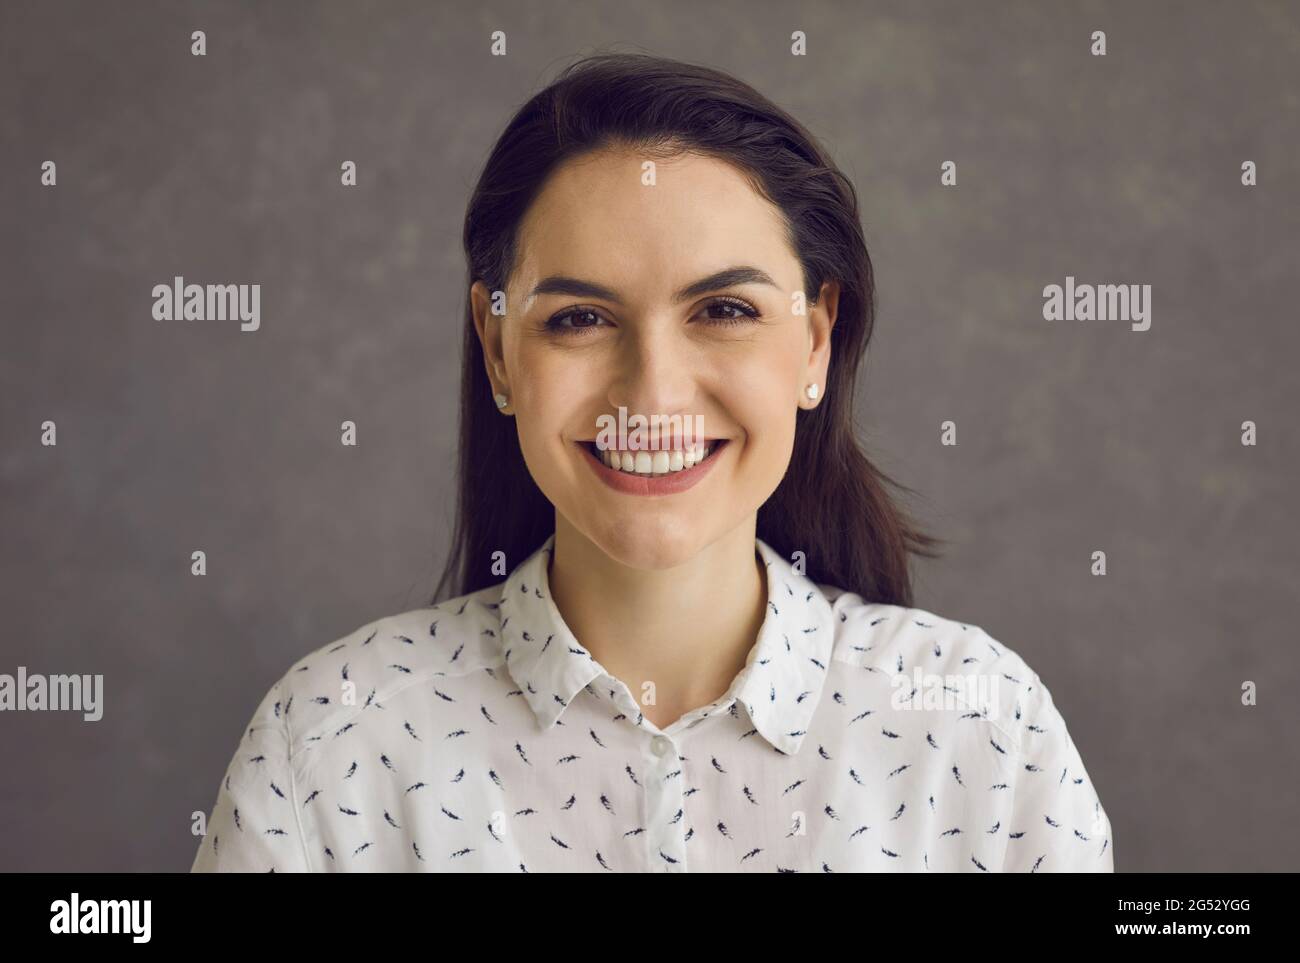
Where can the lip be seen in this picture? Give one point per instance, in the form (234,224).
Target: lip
(672,483)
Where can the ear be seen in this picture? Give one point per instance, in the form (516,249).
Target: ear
(821,319)
(488,327)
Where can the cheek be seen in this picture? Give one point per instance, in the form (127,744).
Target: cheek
(757,399)
(770,440)
(546,385)
(759,391)
(549,390)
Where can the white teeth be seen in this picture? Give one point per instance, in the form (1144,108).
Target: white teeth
(656,462)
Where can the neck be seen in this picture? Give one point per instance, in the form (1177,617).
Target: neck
(688,629)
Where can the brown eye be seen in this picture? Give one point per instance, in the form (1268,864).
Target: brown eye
(583,319)
(730,311)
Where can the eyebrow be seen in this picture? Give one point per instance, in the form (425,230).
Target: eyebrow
(728,277)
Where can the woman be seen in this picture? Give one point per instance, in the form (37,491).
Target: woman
(672,650)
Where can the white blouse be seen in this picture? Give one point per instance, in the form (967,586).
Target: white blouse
(479,735)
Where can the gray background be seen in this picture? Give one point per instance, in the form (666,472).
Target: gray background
(1072,436)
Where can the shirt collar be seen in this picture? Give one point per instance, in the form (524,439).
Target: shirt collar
(780,685)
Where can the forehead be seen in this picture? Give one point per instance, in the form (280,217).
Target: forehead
(597,218)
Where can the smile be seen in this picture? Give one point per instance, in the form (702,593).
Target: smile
(653,472)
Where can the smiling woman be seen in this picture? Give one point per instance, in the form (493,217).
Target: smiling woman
(658,236)
(694,657)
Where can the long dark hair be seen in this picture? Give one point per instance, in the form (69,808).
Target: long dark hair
(833,505)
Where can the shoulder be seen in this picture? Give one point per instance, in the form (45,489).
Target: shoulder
(377,661)
(917,653)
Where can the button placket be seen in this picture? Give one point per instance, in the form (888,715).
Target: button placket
(666,835)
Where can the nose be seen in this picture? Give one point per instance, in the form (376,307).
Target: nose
(655,373)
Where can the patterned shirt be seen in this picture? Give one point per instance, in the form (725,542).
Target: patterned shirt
(480,735)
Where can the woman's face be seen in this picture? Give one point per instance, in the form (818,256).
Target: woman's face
(567,353)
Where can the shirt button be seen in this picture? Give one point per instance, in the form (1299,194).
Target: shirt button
(659,745)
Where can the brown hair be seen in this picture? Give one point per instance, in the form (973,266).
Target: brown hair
(835,507)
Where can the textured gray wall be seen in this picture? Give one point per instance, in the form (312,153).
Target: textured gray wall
(1072,436)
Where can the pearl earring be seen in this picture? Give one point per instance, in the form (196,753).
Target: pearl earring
(501,400)
(812,391)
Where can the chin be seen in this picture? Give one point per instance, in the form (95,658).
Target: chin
(652,544)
